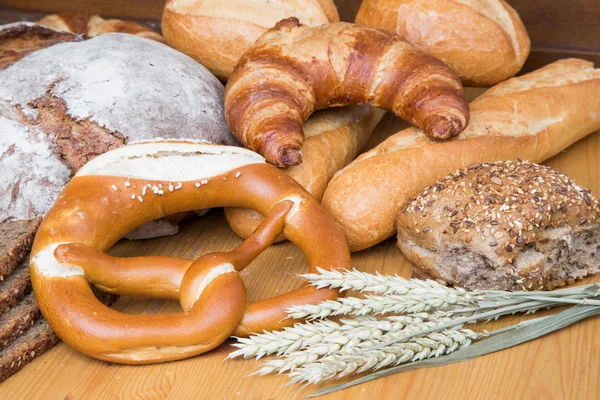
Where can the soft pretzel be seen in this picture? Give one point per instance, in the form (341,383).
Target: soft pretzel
(121,189)
(293,70)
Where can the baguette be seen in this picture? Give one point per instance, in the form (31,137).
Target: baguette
(333,139)
(484,42)
(531,117)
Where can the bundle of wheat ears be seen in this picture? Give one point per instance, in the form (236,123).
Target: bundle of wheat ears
(402,324)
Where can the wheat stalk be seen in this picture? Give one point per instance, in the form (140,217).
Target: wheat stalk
(347,362)
(393,303)
(325,337)
(381,284)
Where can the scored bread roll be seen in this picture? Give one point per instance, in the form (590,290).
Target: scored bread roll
(483,41)
(531,117)
(216,33)
(333,139)
(94,25)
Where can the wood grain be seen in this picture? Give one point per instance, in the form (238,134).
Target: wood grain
(562,365)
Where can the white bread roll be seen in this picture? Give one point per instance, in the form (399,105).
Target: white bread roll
(531,117)
(217,32)
(483,41)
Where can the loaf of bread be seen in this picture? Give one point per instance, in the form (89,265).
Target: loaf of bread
(483,41)
(21,38)
(63,105)
(507,225)
(333,139)
(531,117)
(216,33)
(93,25)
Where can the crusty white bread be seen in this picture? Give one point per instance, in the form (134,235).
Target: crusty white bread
(506,225)
(216,32)
(531,117)
(483,41)
(333,139)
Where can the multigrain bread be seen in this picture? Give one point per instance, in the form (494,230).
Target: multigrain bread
(16,237)
(33,342)
(293,70)
(17,320)
(216,33)
(531,117)
(63,105)
(19,39)
(333,139)
(15,286)
(483,41)
(507,225)
(91,25)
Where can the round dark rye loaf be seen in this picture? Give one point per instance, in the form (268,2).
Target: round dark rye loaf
(63,105)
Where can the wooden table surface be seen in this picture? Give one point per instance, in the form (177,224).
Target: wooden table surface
(561,365)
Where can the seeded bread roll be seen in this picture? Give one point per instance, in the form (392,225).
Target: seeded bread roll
(507,225)
(216,33)
(483,41)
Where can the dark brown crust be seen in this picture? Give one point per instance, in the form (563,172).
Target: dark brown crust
(18,40)
(16,237)
(346,65)
(14,287)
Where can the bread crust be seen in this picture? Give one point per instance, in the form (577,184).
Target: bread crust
(531,117)
(333,139)
(484,42)
(216,34)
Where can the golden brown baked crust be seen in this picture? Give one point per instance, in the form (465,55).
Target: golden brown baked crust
(531,117)
(126,187)
(19,39)
(333,139)
(483,41)
(293,70)
(216,33)
(505,225)
(93,25)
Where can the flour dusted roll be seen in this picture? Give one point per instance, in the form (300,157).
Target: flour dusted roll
(216,33)
(483,41)
(531,117)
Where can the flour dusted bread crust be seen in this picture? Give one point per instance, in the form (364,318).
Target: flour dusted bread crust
(94,25)
(216,33)
(64,105)
(21,38)
(333,139)
(507,225)
(293,70)
(483,41)
(531,117)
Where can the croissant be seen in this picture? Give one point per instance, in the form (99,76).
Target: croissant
(293,70)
